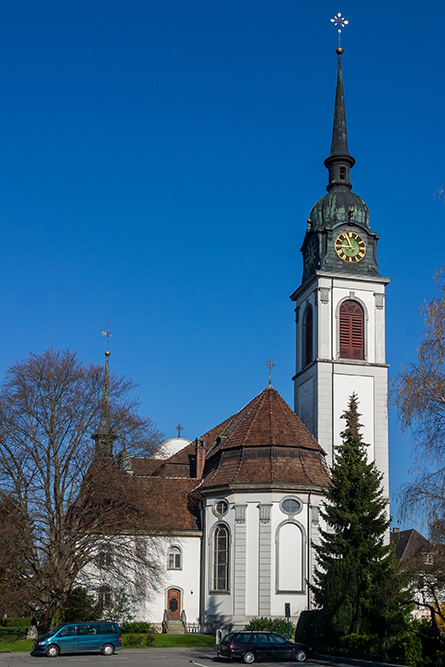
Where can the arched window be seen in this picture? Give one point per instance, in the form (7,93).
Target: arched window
(351,330)
(105,559)
(174,558)
(220,579)
(308,330)
(104,597)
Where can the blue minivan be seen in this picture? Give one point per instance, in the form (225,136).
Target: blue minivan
(74,637)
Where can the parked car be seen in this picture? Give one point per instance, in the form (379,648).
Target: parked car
(251,646)
(99,637)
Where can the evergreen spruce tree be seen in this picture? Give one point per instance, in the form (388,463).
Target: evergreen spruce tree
(358,583)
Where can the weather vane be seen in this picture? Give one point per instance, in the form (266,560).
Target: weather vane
(340,22)
(108,335)
(270,364)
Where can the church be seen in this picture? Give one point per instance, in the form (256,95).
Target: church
(240,505)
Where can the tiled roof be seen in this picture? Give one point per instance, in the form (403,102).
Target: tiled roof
(265,443)
(266,420)
(266,466)
(409,544)
(181,464)
(145,466)
(176,508)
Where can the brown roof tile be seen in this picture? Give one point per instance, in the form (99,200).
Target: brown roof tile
(409,543)
(181,464)
(265,443)
(176,508)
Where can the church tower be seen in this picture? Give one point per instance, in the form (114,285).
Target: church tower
(340,310)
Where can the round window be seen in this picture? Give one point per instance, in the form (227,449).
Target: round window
(221,507)
(291,505)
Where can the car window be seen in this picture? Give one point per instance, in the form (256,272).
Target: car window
(243,638)
(228,638)
(67,631)
(104,628)
(277,639)
(261,638)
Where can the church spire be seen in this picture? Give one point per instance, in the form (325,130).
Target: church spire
(339,160)
(104,435)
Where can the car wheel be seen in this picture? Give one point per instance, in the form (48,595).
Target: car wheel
(248,657)
(107,649)
(300,655)
(52,651)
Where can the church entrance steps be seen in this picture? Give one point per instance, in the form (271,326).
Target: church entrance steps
(175,628)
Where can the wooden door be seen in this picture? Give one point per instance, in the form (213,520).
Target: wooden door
(173,604)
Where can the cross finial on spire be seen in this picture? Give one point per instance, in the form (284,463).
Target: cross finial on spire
(179,428)
(270,364)
(340,22)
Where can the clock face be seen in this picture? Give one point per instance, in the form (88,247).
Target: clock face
(350,247)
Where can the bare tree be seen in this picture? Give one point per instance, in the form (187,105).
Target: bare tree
(68,491)
(419,394)
(14,589)
(427,577)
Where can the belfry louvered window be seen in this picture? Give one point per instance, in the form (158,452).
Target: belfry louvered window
(308,336)
(351,330)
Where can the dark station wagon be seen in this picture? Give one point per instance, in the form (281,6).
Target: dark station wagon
(251,646)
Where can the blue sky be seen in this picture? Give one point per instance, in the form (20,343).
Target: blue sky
(159,159)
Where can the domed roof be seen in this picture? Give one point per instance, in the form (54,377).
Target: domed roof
(339,205)
(170,447)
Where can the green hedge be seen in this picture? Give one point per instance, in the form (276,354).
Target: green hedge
(13,621)
(408,647)
(278,625)
(137,627)
(361,645)
(13,632)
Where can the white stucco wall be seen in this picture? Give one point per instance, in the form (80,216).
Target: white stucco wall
(148,599)
(186,579)
(329,380)
(283,567)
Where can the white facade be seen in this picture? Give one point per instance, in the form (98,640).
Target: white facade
(184,578)
(271,556)
(323,387)
(271,560)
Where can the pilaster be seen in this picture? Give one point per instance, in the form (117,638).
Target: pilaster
(265,560)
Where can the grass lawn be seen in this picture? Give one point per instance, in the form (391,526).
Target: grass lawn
(161,641)
(167,641)
(16,644)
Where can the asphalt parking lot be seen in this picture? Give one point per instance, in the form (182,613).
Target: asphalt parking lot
(153,657)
